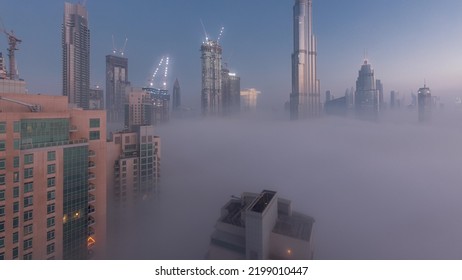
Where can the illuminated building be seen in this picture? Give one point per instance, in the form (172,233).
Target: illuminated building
(305,99)
(52,179)
(261,226)
(249,99)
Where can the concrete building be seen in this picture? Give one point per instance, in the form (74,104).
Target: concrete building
(96,99)
(305,99)
(366,96)
(176,96)
(211,95)
(424,101)
(116,86)
(76,54)
(249,99)
(52,179)
(261,226)
(231,92)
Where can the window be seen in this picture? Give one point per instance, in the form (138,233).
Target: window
(50,248)
(16,177)
(28,229)
(15,222)
(27,244)
(2,145)
(51,155)
(28,201)
(2,226)
(50,208)
(28,256)
(2,210)
(51,182)
(50,195)
(94,123)
(51,168)
(51,222)
(16,207)
(2,179)
(29,158)
(16,162)
(15,253)
(94,135)
(51,235)
(2,242)
(15,192)
(2,163)
(15,237)
(16,126)
(2,195)
(28,187)
(28,173)
(2,256)
(28,215)
(2,127)
(16,144)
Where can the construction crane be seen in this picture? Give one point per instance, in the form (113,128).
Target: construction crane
(118,51)
(163,83)
(13,41)
(32,107)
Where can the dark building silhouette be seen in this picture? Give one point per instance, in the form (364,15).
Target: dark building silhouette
(366,97)
(116,86)
(176,96)
(337,106)
(424,100)
(231,92)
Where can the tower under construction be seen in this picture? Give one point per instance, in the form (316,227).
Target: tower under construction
(211,96)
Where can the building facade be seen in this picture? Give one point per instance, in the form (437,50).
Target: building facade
(52,180)
(231,92)
(176,96)
(261,226)
(116,86)
(96,99)
(76,54)
(305,98)
(424,101)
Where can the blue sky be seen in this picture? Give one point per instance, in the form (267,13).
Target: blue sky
(407,41)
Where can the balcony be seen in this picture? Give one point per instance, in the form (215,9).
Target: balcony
(91,153)
(91,209)
(91,176)
(91,197)
(91,220)
(91,187)
(91,231)
(91,164)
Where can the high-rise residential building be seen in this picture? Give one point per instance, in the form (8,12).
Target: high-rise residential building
(231,92)
(424,101)
(261,226)
(96,99)
(52,179)
(116,86)
(366,97)
(249,99)
(160,104)
(76,54)
(211,96)
(305,99)
(176,96)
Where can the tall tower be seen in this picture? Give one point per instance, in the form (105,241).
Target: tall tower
(211,96)
(76,54)
(305,99)
(366,96)
(116,84)
(424,101)
(176,102)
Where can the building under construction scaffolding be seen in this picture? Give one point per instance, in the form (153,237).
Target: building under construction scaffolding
(9,80)
(211,78)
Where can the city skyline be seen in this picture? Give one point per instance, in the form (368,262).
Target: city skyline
(400,42)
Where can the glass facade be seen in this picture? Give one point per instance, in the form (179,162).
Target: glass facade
(36,131)
(75,202)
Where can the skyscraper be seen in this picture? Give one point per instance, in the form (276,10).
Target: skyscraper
(116,85)
(424,101)
(231,92)
(76,54)
(249,99)
(211,96)
(305,99)
(379,87)
(176,96)
(366,97)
